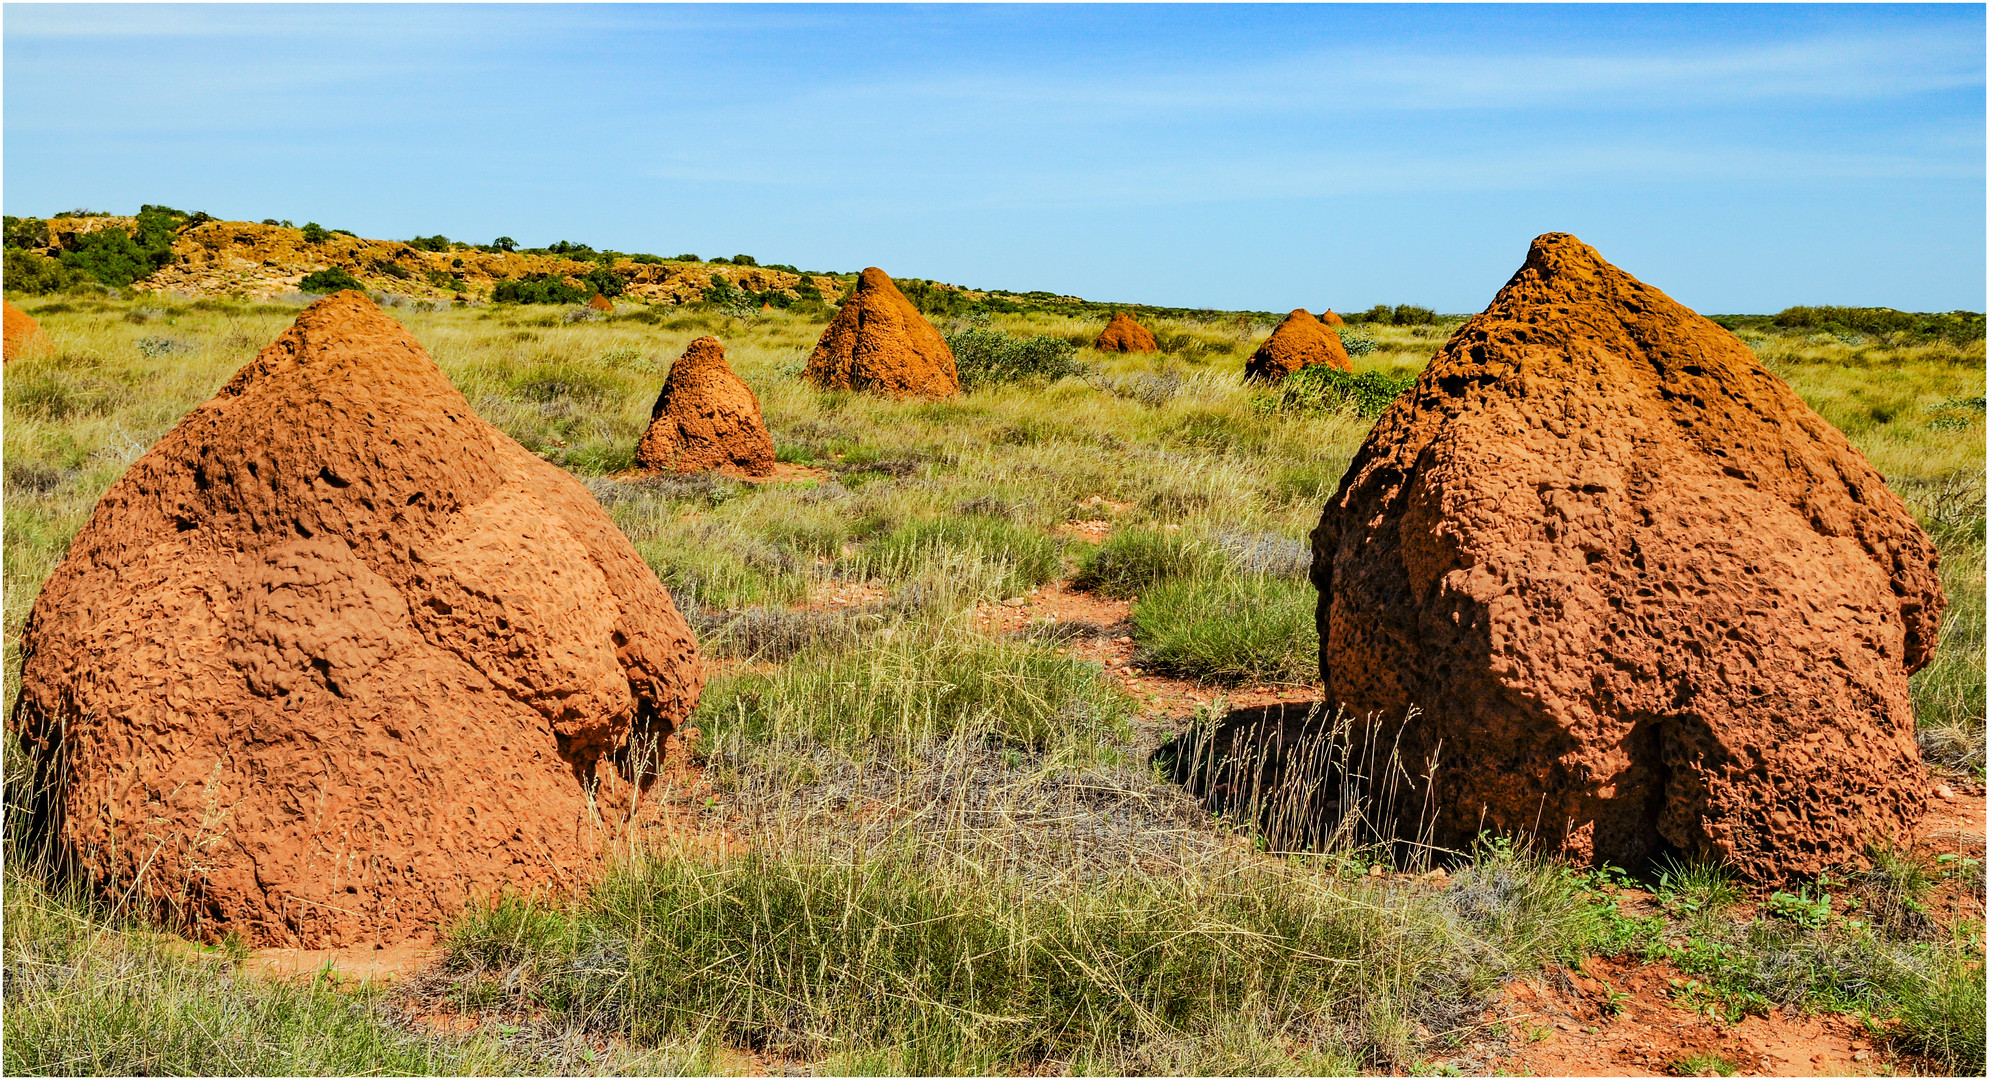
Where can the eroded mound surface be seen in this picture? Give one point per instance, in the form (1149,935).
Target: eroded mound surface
(20,332)
(1123,334)
(879,342)
(1642,596)
(1299,341)
(705,419)
(336,655)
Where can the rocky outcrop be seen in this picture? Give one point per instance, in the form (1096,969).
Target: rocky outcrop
(1122,334)
(706,419)
(1299,341)
(880,343)
(1641,597)
(336,656)
(224,258)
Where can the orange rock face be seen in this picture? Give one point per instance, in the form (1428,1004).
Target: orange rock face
(20,333)
(1299,341)
(336,655)
(600,303)
(1122,334)
(1643,597)
(879,342)
(706,418)
(1331,319)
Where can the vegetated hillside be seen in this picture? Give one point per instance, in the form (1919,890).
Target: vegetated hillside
(199,256)
(161,249)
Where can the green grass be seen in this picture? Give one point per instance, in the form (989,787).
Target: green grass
(946,836)
(86,996)
(1225,628)
(836,956)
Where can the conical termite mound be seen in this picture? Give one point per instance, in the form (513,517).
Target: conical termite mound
(1123,334)
(706,418)
(336,656)
(1641,597)
(880,343)
(1299,341)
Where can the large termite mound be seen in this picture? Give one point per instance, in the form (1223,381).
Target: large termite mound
(706,418)
(336,655)
(1123,334)
(1643,599)
(1299,341)
(19,334)
(879,342)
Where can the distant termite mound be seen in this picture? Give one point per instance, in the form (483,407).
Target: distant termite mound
(1331,319)
(880,343)
(336,656)
(1641,597)
(1299,341)
(706,418)
(1123,334)
(20,335)
(600,303)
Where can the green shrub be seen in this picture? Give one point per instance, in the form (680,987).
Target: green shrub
(1399,315)
(539,289)
(330,280)
(989,357)
(1220,627)
(118,258)
(36,274)
(1311,389)
(1955,326)
(438,242)
(315,233)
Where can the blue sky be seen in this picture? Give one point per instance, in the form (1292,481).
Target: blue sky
(1740,158)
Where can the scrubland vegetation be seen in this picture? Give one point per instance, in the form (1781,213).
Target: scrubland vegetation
(925,846)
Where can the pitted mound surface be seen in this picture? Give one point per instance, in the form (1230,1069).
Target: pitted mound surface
(1122,334)
(706,418)
(336,655)
(600,303)
(880,342)
(1299,341)
(20,332)
(1642,596)
(1331,319)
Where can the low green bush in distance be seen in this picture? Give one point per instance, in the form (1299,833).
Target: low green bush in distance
(987,357)
(1321,387)
(36,274)
(330,280)
(1955,326)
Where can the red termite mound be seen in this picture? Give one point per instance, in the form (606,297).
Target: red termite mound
(706,418)
(1122,334)
(600,302)
(1299,341)
(336,655)
(19,334)
(1331,319)
(1643,597)
(880,342)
